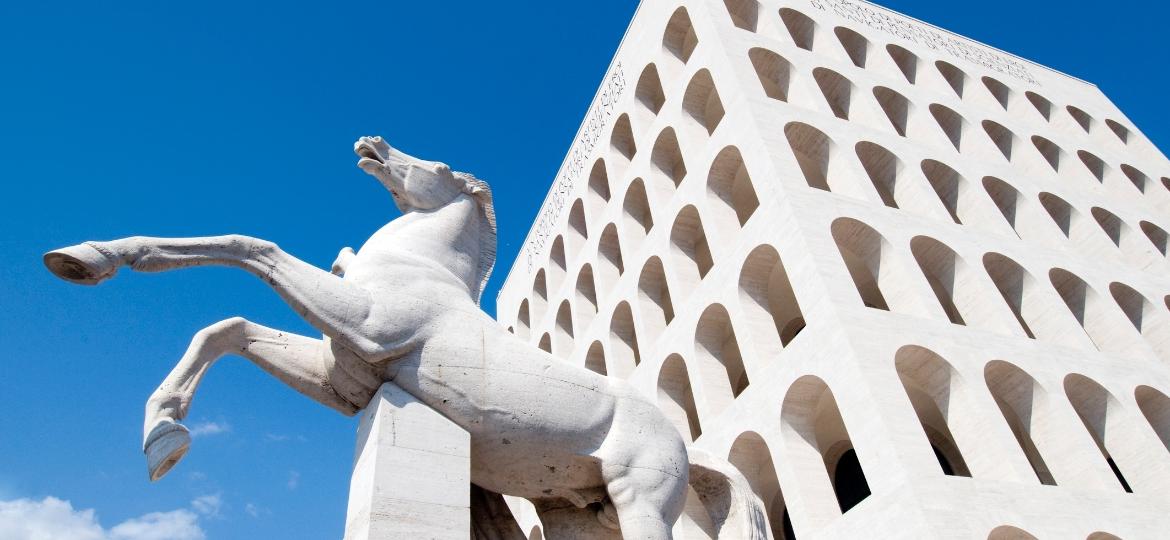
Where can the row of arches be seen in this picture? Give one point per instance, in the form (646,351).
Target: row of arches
(731,201)
(962,201)
(772,319)
(964,293)
(857,50)
(819,450)
(812,146)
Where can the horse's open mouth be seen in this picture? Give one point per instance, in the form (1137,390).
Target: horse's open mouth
(365,151)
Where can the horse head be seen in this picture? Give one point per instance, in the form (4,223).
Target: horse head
(416,184)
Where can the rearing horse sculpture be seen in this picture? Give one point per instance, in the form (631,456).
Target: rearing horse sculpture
(405,308)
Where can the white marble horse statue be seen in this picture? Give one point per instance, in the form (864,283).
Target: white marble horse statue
(405,308)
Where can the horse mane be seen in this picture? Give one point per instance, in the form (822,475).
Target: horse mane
(482,193)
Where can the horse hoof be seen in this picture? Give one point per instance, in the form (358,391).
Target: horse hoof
(83,264)
(167,443)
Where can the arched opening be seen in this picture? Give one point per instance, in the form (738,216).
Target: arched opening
(1023,404)
(623,341)
(862,250)
(1098,409)
(883,168)
(837,90)
(676,399)
(1082,118)
(1151,323)
(931,383)
(523,320)
(609,262)
(654,301)
(896,107)
(948,184)
(648,94)
(720,360)
(636,217)
(1155,406)
(585,299)
(1003,138)
(539,295)
(813,151)
(557,266)
(563,331)
(1085,305)
(701,101)
(1052,153)
(1042,105)
(1061,212)
(999,91)
(667,158)
(954,76)
(951,123)
(744,13)
(1099,535)
(815,432)
(535,533)
(855,45)
(622,138)
(774,72)
(1119,130)
(907,62)
(545,343)
(1094,164)
(750,454)
(595,358)
(578,231)
(1110,224)
(731,189)
(1007,532)
(1006,198)
(766,294)
(800,27)
(1138,178)
(680,38)
(941,267)
(690,249)
(1018,289)
(1157,236)
(598,187)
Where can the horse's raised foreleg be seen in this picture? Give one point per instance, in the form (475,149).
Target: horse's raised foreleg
(305,364)
(341,310)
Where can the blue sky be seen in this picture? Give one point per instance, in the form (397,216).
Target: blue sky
(197,118)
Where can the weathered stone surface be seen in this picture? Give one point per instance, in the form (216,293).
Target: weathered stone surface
(411,472)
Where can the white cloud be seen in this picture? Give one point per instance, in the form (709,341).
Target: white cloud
(173,525)
(208,505)
(294,480)
(50,519)
(55,519)
(254,510)
(209,428)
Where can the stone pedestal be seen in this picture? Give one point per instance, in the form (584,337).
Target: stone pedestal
(411,473)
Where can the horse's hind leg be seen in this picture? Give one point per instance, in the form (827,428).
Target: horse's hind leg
(340,310)
(647,500)
(306,364)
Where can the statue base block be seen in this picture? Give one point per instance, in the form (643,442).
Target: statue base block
(411,472)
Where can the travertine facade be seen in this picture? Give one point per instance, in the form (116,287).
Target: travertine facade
(910,285)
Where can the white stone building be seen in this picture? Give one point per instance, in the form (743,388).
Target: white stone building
(911,285)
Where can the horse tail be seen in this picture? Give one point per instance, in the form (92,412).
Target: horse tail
(735,510)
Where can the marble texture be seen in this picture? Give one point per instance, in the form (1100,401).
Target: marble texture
(404,308)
